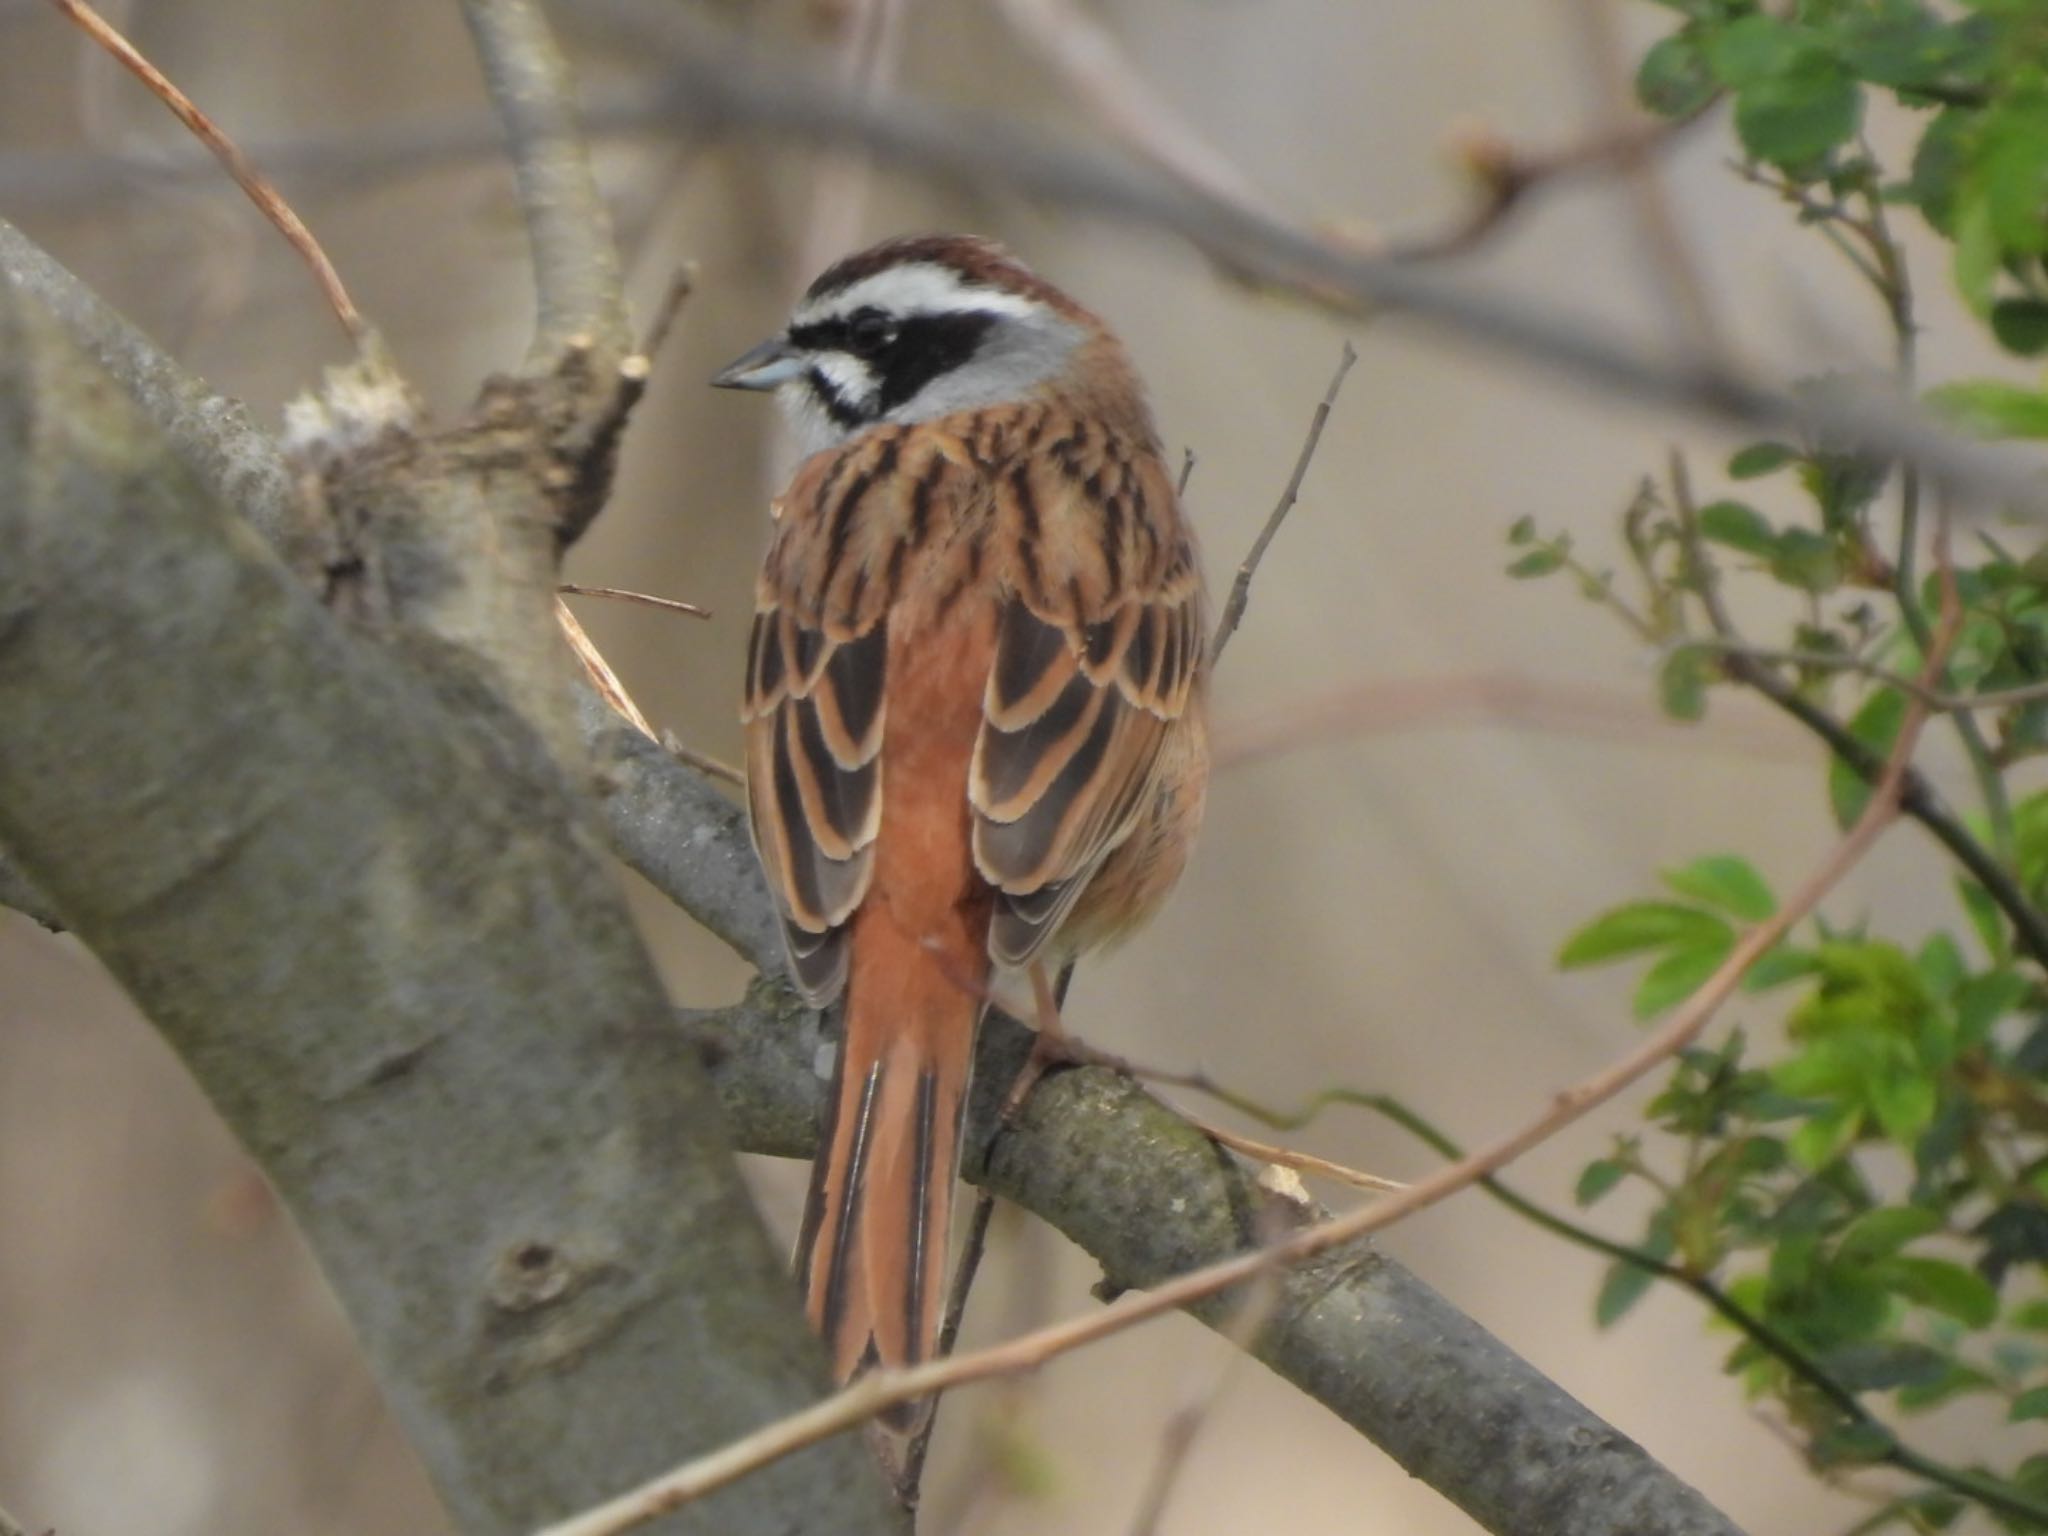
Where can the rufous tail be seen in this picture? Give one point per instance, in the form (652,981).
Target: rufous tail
(873,1254)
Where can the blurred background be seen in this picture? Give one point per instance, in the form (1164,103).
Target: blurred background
(1430,773)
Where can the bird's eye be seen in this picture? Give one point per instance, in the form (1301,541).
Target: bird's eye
(870,330)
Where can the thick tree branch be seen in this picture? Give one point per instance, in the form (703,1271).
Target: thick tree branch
(1149,1196)
(237,462)
(357,896)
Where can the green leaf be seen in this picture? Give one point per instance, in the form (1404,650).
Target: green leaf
(1948,1288)
(1991,408)
(1850,1443)
(1522,530)
(2021,325)
(1739,526)
(1904,1101)
(1807,560)
(1726,881)
(1982,1000)
(1600,1177)
(1984,916)
(1754,48)
(1675,78)
(1900,45)
(1883,1232)
(1796,116)
(1876,725)
(1760,459)
(1938,166)
(1682,684)
(1824,1138)
(1639,926)
(1620,1290)
(1879,1365)
(1677,976)
(1976,262)
(2011,168)
(2031,1404)
(2031,1314)
(1777,965)
(1538,562)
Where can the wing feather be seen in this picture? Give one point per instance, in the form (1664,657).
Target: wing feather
(1083,690)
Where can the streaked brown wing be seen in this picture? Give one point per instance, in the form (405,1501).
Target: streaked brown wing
(1098,651)
(815,702)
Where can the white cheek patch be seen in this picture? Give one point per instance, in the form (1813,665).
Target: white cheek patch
(920,288)
(851,379)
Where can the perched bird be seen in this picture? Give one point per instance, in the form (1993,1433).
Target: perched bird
(974,712)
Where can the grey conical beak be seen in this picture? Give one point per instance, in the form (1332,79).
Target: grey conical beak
(773,362)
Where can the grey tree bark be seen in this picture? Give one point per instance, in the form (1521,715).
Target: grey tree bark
(362,900)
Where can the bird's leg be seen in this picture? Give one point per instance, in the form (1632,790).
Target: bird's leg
(1049,1046)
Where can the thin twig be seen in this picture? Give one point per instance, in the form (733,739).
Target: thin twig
(1241,589)
(1670,257)
(681,284)
(910,1479)
(252,181)
(704,763)
(1506,176)
(1087,57)
(1287,1157)
(1187,472)
(871,1393)
(601,675)
(1177,1439)
(627,595)
(575,263)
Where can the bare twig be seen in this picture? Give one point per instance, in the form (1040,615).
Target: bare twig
(704,763)
(1241,589)
(1670,258)
(238,165)
(878,1390)
(599,671)
(1187,471)
(869,42)
(1287,1157)
(1096,69)
(1505,177)
(1185,1423)
(1393,704)
(681,284)
(627,595)
(575,264)
(910,1480)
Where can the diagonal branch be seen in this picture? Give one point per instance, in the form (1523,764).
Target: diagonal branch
(358,896)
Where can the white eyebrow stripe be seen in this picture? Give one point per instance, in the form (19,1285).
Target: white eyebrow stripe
(919,288)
